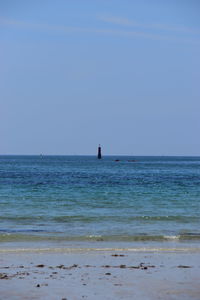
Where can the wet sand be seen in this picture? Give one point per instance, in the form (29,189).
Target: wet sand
(104,274)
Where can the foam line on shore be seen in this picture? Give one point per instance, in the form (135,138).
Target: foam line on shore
(78,250)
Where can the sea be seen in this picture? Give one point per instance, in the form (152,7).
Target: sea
(116,199)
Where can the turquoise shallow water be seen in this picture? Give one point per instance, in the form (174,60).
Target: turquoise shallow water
(80,198)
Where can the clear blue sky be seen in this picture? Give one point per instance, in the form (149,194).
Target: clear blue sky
(125,74)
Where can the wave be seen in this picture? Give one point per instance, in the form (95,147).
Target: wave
(87,219)
(124,219)
(30,236)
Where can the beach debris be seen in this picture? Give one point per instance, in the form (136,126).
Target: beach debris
(40,266)
(141,266)
(115,255)
(71,267)
(184,267)
(89,266)
(22,273)
(60,266)
(38,285)
(107,273)
(67,268)
(122,266)
(3,276)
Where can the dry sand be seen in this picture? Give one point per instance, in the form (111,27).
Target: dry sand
(99,274)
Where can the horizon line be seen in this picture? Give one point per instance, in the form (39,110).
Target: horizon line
(105,155)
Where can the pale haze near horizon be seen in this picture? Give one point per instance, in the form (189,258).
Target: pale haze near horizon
(124,74)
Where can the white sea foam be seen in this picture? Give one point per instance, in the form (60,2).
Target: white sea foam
(172,237)
(93,236)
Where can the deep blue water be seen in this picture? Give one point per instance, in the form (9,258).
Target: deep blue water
(83,198)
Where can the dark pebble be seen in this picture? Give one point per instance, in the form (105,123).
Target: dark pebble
(38,285)
(107,273)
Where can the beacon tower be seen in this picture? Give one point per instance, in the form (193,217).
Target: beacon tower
(99,152)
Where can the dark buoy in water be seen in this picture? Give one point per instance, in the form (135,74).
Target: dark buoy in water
(99,152)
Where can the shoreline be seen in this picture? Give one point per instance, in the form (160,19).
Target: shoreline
(99,273)
(98,245)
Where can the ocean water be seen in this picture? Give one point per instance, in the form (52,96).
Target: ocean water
(81,198)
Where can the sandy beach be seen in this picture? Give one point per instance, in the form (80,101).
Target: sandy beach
(75,274)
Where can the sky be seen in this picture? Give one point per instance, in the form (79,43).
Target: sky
(120,73)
